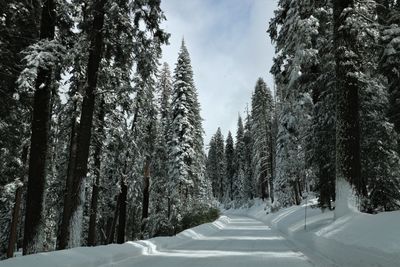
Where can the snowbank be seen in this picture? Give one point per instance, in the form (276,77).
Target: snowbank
(111,254)
(356,239)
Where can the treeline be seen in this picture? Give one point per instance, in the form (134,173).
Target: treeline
(243,170)
(336,120)
(97,144)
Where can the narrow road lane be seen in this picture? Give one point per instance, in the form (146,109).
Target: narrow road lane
(241,242)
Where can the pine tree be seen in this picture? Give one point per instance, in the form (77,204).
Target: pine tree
(293,70)
(248,169)
(348,163)
(239,195)
(39,141)
(73,218)
(19,29)
(388,16)
(230,167)
(185,139)
(261,130)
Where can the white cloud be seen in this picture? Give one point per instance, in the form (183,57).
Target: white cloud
(229,48)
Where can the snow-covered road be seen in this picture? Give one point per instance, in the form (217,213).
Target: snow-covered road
(242,241)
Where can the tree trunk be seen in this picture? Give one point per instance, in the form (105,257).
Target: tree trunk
(17,206)
(39,141)
(146,195)
(85,127)
(97,164)
(64,228)
(348,164)
(14,222)
(122,212)
(111,233)
(271,165)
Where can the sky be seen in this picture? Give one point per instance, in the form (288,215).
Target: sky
(229,48)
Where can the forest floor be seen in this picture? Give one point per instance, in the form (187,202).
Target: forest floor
(250,237)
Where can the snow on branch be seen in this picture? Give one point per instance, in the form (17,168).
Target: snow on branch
(44,54)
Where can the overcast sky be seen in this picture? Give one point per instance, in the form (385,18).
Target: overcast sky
(229,49)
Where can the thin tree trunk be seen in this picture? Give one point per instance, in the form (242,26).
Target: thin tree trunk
(85,127)
(122,212)
(14,222)
(97,164)
(39,141)
(111,233)
(17,206)
(271,165)
(124,189)
(64,228)
(108,230)
(146,195)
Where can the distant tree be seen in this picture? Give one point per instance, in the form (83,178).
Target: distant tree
(248,168)
(230,167)
(261,131)
(239,194)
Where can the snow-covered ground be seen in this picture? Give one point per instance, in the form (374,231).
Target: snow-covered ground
(356,239)
(250,237)
(230,241)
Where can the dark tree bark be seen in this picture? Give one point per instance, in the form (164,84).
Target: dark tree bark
(264,184)
(85,127)
(122,212)
(146,195)
(39,140)
(17,206)
(97,164)
(64,228)
(14,222)
(271,164)
(348,163)
(122,197)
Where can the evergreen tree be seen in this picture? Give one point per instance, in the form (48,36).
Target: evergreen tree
(216,167)
(248,169)
(295,56)
(185,139)
(348,163)
(239,195)
(261,130)
(158,221)
(230,168)
(39,140)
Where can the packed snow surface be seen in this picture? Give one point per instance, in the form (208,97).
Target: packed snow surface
(251,237)
(230,241)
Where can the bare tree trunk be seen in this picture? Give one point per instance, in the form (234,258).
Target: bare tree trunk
(122,212)
(97,164)
(64,228)
(271,165)
(14,222)
(39,141)
(146,195)
(74,218)
(17,206)
(111,233)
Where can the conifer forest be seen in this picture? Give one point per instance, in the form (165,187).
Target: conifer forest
(102,142)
